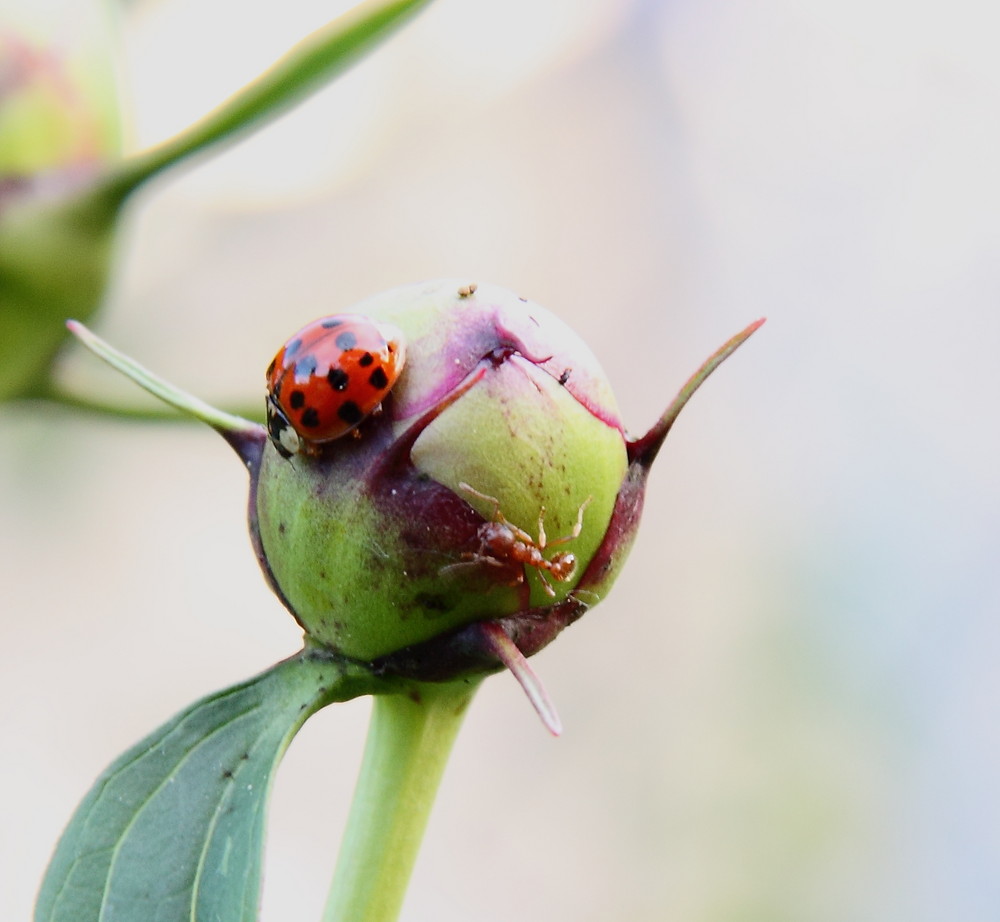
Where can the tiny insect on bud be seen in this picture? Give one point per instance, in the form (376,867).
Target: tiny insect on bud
(494,485)
(415,535)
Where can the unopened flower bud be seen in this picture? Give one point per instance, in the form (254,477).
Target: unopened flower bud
(493,486)
(483,489)
(444,483)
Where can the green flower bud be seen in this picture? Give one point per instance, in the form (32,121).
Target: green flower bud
(496,487)
(459,526)
(59,131)
(500,436)
(59,115)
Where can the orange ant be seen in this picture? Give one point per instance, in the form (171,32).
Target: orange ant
(502,543)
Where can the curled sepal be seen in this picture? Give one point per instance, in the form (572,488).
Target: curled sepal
(174,829)
(246,437)
(644,450)
(498,642)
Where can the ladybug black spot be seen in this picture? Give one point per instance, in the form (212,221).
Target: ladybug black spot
(350,413)
(292,348)
(346,340)
(338,379)
(378,379)
(310,419)
(297,400)
(366,360)
(330,323)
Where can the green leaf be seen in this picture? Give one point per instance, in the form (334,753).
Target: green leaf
(173,830)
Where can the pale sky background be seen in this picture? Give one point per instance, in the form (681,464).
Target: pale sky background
(788,707)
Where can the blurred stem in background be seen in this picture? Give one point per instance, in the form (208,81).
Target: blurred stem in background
(61,197)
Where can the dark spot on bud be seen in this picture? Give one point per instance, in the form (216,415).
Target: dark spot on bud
(350,413)
(310,419)
(366,360)
(330,323)
(292,348)
(338,379)
(432,601)
(227,774)
(346,340)
(378,379)
(500,355)
(305,368)
(564,377)
(297,400)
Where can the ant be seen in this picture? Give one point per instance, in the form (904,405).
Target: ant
(502,543)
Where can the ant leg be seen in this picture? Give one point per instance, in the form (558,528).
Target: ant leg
(546,585)
(541,529)
(575,533)
(472,559)
(497,514)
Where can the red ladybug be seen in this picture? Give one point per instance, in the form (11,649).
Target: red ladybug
(328,378)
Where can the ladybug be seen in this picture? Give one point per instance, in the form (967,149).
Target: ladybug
(328,378)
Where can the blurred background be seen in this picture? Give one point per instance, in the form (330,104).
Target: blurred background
(788,708)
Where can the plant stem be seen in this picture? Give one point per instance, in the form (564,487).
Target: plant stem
(409,740)
(303,70)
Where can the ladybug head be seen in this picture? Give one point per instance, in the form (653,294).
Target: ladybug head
(283,435)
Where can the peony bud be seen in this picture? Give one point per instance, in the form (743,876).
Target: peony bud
(447,484)
(496,486)
(59,131)
(383,541)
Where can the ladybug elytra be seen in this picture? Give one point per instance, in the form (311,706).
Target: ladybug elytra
(328,378)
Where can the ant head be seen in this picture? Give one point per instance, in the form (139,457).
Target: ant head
(562,565)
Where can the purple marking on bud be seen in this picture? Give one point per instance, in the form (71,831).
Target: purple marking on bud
(464,651)
(489,325)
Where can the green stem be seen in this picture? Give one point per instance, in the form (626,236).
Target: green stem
(409,741)
(304,69)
